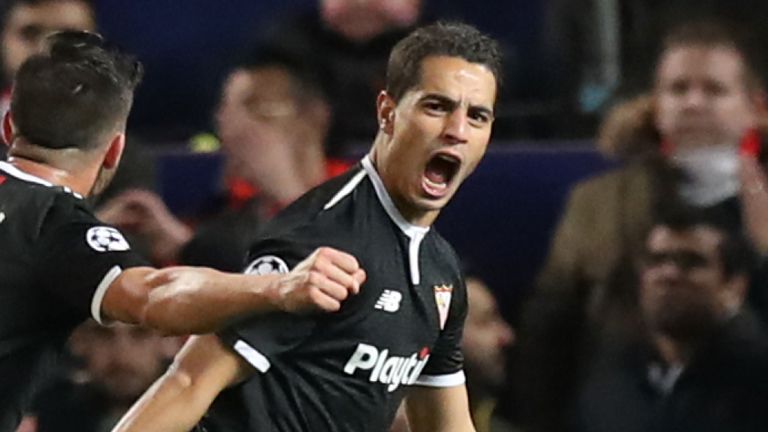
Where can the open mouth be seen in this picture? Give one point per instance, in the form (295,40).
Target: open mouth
(439,172)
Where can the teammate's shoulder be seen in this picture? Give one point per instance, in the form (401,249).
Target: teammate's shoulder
(35,207)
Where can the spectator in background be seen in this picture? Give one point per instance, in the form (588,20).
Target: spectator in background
(347,42)
(601,49)
(24,24)
(273,121)
(700,362)
(119,363)
(681,144)
(486,339)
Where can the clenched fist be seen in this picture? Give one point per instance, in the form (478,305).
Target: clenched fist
(319,283)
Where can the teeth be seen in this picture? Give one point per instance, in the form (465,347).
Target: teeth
(448,158)
(435,185)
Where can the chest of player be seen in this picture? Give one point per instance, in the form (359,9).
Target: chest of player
(394,324)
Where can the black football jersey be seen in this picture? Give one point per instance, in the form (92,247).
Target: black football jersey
(349,370)
(56,263)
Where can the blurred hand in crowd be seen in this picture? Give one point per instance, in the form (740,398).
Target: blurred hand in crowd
(143,213)
(754,200)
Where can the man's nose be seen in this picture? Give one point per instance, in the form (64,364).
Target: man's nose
(457,127)
(669,269)
(695,98)
(506,335)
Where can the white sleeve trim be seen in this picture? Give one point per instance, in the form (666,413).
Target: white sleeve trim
(450,380)
(252,356)
(101,291)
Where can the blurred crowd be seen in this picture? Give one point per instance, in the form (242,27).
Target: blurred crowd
(648,313)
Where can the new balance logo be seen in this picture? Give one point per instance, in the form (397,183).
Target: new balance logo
(389,301)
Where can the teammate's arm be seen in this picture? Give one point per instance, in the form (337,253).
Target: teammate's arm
(180,398)
(444,409)
(183,300)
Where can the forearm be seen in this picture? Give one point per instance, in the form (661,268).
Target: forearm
(178,400)
(183,300)
(438,410)
(208,303)
(187,300)
(166,407)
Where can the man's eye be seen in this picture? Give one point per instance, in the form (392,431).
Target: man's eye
(480,117)
(679,87)
(31,32)
(435,106)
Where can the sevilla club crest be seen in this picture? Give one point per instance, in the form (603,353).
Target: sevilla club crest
(443,295)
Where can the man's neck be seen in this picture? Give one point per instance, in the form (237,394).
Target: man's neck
(51,174)
(673,352)
(411,214)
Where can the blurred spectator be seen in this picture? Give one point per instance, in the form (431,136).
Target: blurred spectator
(143,215)
(25,24)
(273,121)
(700,362)
(486,339)
(119,363)
(347,42)
(600,48)
(681,146)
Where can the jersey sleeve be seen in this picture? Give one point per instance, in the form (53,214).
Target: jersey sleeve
(263,338)
(446,362)
(79,260)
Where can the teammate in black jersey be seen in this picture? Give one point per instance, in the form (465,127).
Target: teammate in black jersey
(59,264)
(400,337)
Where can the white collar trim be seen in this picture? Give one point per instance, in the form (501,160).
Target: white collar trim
(21,175)
(411,230)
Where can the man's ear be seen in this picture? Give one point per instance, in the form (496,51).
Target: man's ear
(736,293)
(385,109)
(8,128)
(115,151)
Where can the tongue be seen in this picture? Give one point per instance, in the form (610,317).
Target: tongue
(437,171)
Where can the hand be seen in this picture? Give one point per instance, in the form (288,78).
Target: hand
(754,202)
(319,283)
(144,213)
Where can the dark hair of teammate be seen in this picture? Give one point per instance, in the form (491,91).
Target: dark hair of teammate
(75,93)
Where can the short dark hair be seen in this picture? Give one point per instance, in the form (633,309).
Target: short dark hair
(74,92)
(712,33)
(736,252)
(450,39)
(306,79)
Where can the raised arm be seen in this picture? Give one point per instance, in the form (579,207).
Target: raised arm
(184,300)
(444,409)
(180,398)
